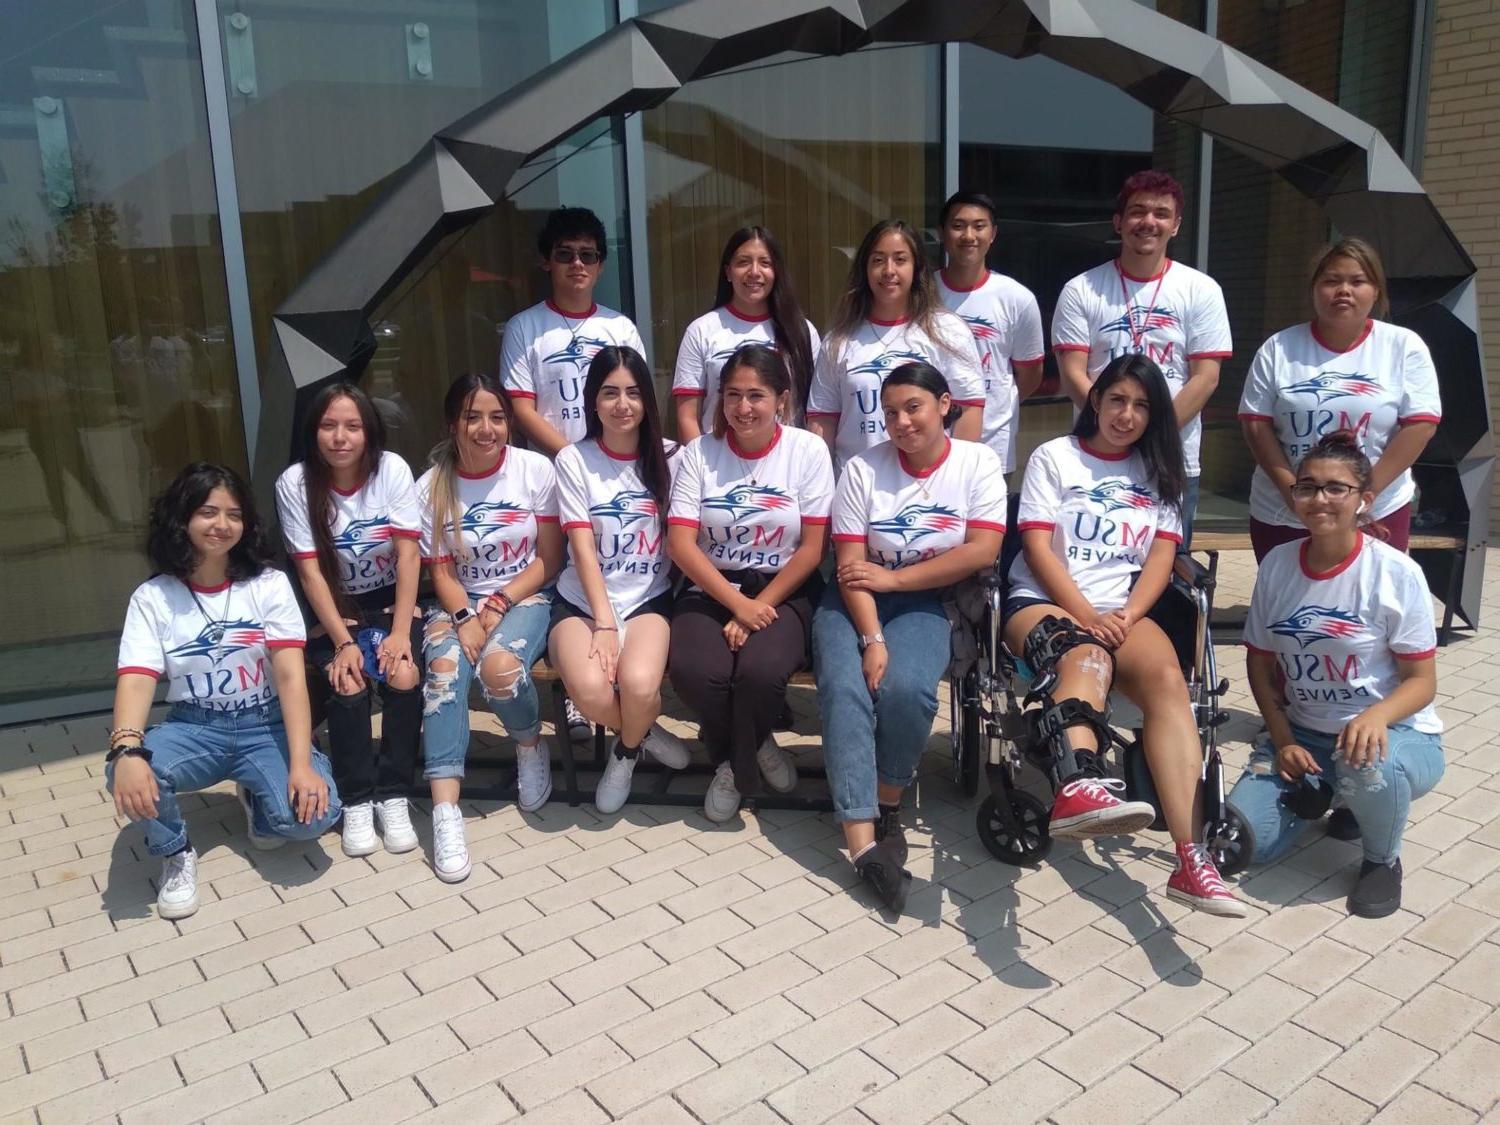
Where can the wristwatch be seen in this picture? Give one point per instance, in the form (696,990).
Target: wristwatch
(866,640)
(462,615)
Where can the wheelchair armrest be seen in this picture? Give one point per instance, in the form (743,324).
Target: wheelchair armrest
(1193,573)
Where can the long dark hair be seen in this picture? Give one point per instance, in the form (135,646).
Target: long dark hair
(1160,446)
(167,543)
(788,324)
(768,366)
(317,477)
(925,377)
(650,457)
(444,458)
(923,306)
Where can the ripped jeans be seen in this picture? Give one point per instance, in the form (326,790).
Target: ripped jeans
(522,633)
(1380,797)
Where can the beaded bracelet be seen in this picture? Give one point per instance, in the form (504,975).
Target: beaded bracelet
(116,732)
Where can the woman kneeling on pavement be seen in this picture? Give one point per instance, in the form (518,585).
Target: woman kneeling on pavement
(912,516)
(223,627)
(1347,622)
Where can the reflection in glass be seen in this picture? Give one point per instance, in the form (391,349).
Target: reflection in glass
(116,365)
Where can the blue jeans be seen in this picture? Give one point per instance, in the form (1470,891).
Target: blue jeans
(1380,796)
(193,748)
(445,694)
(866,739)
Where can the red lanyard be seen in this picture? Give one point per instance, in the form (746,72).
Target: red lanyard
(1130,307)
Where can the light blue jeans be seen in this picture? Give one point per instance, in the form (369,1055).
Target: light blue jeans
(881,739)
(194,747)
(445,694)
(1380,796)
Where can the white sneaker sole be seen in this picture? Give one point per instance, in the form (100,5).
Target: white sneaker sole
(1221,907)
(454,876)
(400,847)
(173,911)
(720,817)
(536,804)
(1134,816)
(354,851)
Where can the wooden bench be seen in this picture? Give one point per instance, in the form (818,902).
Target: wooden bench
(1212,542)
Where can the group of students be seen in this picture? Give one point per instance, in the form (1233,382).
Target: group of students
(626,557)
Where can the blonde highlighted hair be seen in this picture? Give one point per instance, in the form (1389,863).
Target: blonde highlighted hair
(446,509)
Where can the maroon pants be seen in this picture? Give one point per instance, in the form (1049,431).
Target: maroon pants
(1395,529)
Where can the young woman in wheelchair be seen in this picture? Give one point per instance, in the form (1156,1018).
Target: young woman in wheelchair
(912,516)
(1347,621)
(1099,523)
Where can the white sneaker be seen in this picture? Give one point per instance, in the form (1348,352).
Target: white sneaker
(394,817)
(450,850)
(722,800)
(666,747)
(358,836)
(776,766)
(178,896)
(257,841)
(533,775)
(579,728)
(614,784)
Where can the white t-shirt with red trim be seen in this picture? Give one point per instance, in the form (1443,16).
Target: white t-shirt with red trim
(499,514)
(749,509)
(598,490)
(213,644)
(905,516)
(365,523)
(846,383)
(1338,635)
(707,345)
(545,355)
(1103,512)
(1175,317)
(1307,389)
(1006,324)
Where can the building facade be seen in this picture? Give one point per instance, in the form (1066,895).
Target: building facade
(170,168)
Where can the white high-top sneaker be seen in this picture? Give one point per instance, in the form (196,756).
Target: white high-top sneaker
(178,896)
(358,835)
(393,815)
(533,775)
(450,850)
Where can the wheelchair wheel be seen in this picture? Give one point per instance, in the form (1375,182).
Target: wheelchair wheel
(971,742)
(1230,842)
(1032,843)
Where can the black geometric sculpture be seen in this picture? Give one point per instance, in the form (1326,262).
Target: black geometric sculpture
(322,331)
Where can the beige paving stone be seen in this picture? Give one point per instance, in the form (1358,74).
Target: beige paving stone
(1437,1017)
(575,1107)
(1404,969)
(43,1050)
(49,1083)
(203,1059)
(1417,1105)
(467,961)
(1127,1096)
(1467,1073)
(668,1024)
(1105,1046)
(1346,1012)
(16,1030)
(769,1021)
(582,1021)
(578,1065)
(1319,965)
(1379,1066)
(862,936)
(1171,1003)
(710,930)
(319,987)
(1007,1044)
(39,981)
(748,987)
(715,1095)
(696,971)
(696,901)
(614,968)
(400,927)
(400,1057)
(832,1034)
(89,939)
(929,1090)
(480,1066)
(663,1111)
(548,892)
(1260,1006)
(829,990)
(401,1100)
(1282,1059)
(914,992)
(103,1100)
(491,1104)
(1084,999)
(486,925)
(777,901)
(1321,1101)
(252,952)
(357,1003)
(1191,1054)
(835,1085)
(649,1077)
(1477,974)
(321,1052)
(198,1100)
(1026,1094)
(310,1096)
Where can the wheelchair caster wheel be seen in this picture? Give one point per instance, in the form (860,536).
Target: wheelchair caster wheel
(1230,842)
(1031,844)
(971,746)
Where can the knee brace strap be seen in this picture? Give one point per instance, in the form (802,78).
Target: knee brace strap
(1052,731)
(1049,641)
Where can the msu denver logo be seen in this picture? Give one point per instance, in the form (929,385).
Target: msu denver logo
(580,352)
(1115,494)
(485,518)
(916,521)
(361,537)
(981,329)
(1326,386)
(1138,321)
(628,507)
(883,364)
(747,499)
(220,638)
(1318,623)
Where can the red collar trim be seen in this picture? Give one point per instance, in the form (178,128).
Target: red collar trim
(572,316)
(1363,336)
(1092,452)
(1322,575)
(612,455)
(1128,276)
(491,471)
(746,317)
(889,323)
(962,288)
(219,589)
(923,474)
(353,491)
(734,446)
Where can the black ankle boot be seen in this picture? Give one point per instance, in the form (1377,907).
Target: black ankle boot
(888,831)
(1343,826)
(1378,892)
(891,882)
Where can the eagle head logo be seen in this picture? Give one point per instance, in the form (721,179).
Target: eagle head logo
(1326,386)
(484,518)
(981,329)
(746,499)
(628,507)
(1116,494)
(220,638)
(886,362)
(1136,321)
(1311,623)
(360,537)
(917,521)
(580,352)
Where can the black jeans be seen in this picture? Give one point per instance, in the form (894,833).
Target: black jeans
(738,696)
(361,773)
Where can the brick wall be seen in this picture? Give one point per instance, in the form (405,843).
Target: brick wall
(1461,166)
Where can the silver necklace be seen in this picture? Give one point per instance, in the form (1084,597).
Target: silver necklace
(207,620)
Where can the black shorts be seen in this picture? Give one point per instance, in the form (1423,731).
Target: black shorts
(1016,604)
(562,609)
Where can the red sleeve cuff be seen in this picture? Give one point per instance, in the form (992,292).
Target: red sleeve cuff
(815,521)
(842,537)
(1209,355)
(822,414)
(1409,419)
(546,519)
(688,392)
(136,670)
(1425,654)
(406,533)
(682,521)
(286,644)
(571,524)
(985,525)
(1169,536)
(979,402)
(1259,651)
(435,559)
(1247,417)
(1029,359)
(304,554)
(1071,348)
(520,394)
(1035,525)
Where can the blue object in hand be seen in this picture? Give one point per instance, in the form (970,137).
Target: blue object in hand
(369,644)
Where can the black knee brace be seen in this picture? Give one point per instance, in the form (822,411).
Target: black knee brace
(1049,641)
(1066,761)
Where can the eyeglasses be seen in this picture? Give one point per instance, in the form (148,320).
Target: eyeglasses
(1334,490)
(566,255)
